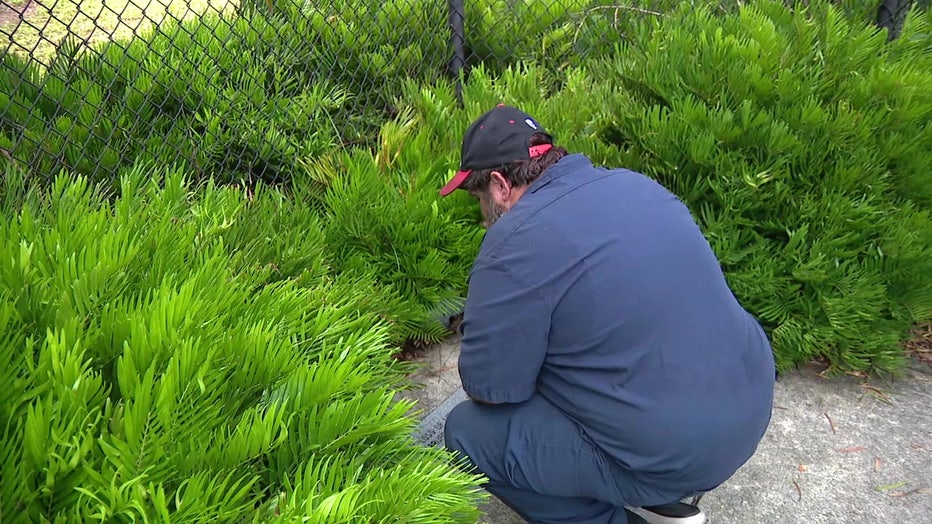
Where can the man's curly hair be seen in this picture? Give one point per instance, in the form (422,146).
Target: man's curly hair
(518,173)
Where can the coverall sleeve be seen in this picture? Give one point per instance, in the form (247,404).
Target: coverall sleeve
(506,326)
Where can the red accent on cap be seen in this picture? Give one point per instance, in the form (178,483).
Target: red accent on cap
(455,182)
(461,176)
(539,150)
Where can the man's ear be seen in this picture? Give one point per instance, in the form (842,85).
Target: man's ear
(499,187)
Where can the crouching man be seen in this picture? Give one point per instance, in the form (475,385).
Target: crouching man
(608,363)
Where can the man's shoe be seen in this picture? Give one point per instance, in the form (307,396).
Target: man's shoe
(675,513)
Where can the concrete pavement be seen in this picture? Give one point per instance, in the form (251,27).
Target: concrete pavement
(840,450)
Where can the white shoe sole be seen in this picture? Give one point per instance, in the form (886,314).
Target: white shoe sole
(653,518)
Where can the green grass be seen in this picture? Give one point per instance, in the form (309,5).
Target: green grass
(49,22)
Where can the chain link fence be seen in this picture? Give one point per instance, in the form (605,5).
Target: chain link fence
(247,88)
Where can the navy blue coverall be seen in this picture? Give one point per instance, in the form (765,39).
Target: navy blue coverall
(609,362)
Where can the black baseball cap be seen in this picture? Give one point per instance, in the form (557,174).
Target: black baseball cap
(498,137)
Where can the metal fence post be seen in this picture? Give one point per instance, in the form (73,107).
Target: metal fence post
(458,40)
(891,14)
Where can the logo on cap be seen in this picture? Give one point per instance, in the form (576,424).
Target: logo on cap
(530,123)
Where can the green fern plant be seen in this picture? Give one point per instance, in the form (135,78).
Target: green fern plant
(161,372)
(383,219)
(784,134)
(782,131)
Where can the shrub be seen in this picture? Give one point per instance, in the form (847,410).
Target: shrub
(382,217)
(553,32)
(240,97)
(246,96)
(214,94)
(799,141)
(152,373)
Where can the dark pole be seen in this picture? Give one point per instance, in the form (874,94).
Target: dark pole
(458,39)
(891,14)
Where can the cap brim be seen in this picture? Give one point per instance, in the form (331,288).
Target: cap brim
(455,182)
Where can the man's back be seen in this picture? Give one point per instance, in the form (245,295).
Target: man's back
(646,347)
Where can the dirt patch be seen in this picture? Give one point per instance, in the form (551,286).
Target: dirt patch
(920,345)
(411,351)
(12,13)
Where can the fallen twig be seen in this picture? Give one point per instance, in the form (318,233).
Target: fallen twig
(615,8)
(920,345)
(878,392)
(799,490)
(438,372)
(852,449)
(916,491)
(830,423)
(888,487)
(858,374)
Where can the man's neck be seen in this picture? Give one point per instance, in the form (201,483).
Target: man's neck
(516,194)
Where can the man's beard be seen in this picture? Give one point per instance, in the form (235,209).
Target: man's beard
(495,213)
